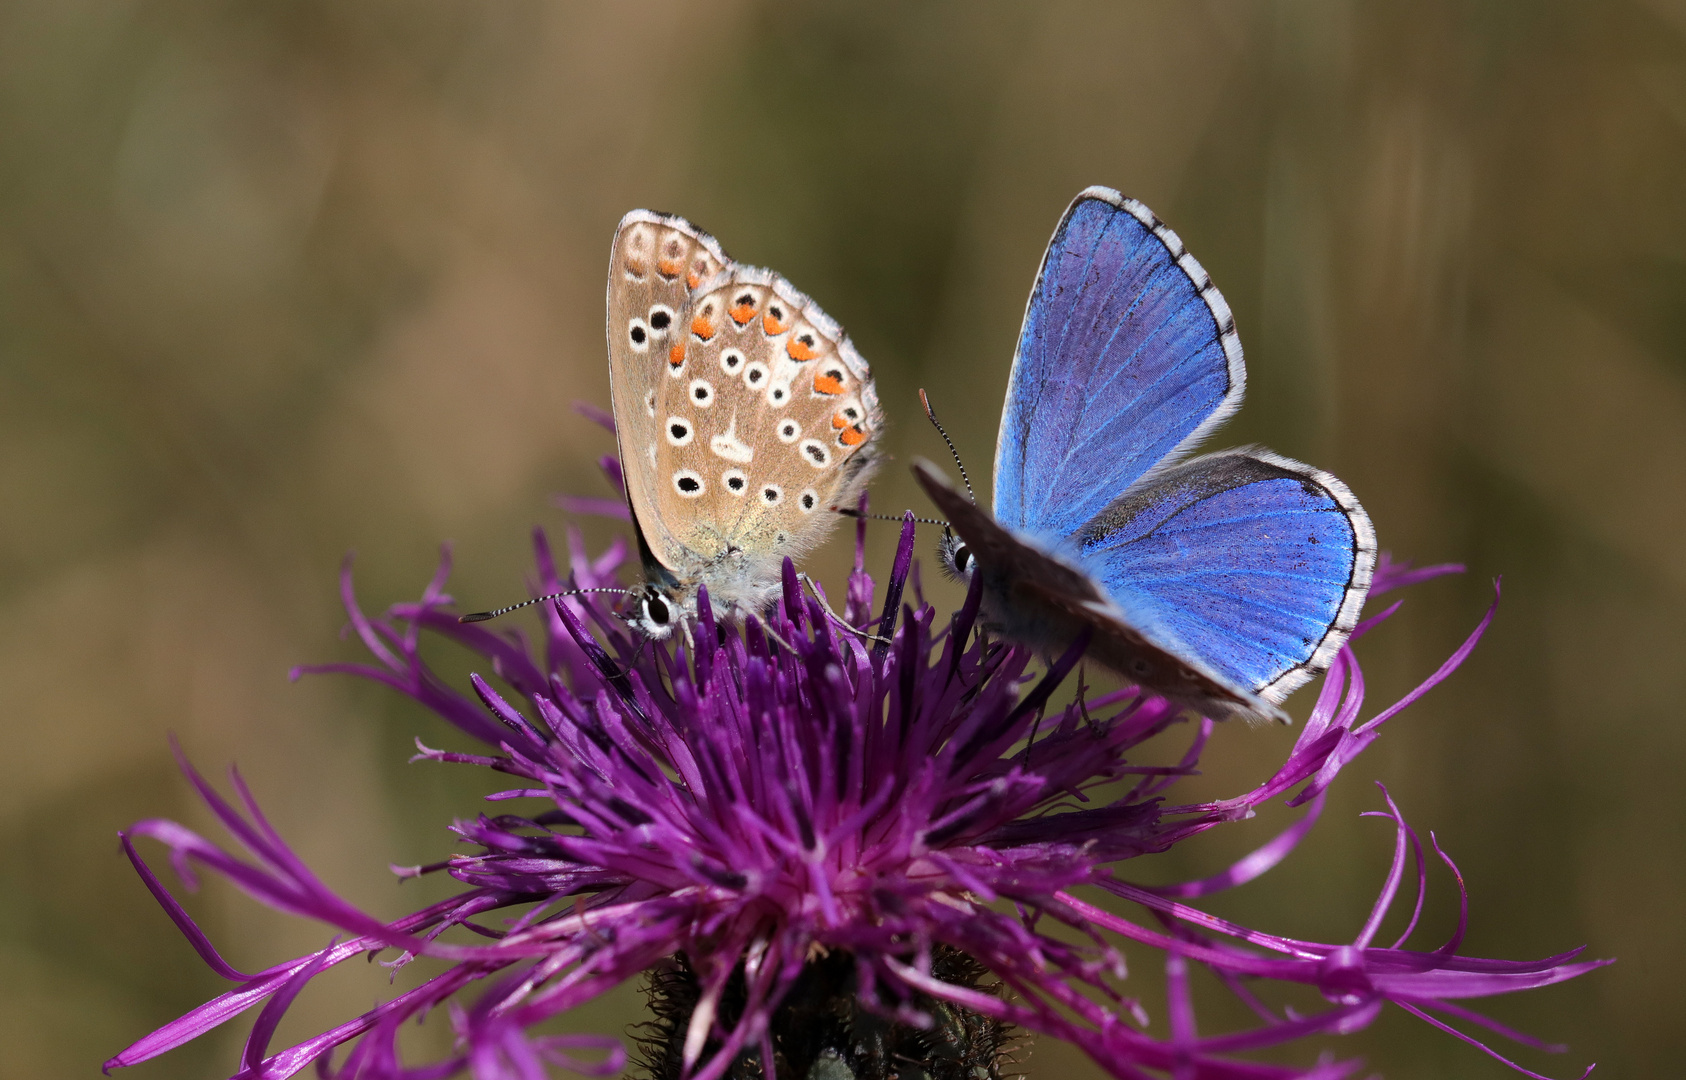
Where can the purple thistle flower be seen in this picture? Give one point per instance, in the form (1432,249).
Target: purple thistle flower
(790,791)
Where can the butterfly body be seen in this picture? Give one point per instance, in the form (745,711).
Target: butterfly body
(743,413)
(1223,581)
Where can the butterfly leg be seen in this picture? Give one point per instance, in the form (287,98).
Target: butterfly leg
(838,619)
(766,628)
(1083,698)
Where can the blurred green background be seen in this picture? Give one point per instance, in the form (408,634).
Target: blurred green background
(282,280)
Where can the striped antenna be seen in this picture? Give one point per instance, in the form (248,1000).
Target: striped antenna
(482,616)
(847,512)
(925,401)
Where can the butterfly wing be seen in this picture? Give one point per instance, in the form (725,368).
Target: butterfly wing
(1128,357)
(656,260)
(765,418)
(1036,596)
(743,412)
(1255,563)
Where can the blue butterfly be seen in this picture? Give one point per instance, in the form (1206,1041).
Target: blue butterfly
(1223,581)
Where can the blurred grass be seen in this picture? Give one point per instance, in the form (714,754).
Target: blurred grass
(279,280)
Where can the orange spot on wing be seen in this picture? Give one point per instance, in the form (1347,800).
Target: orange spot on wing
(693,279)
(771,325)
(676,355)
(636,267)
(799,351)
(825,384)
(702,328)
(852,436)
(742,314)
(668,267)
(839,421)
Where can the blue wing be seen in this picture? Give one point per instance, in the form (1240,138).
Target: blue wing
(1252,563)
(1128,356)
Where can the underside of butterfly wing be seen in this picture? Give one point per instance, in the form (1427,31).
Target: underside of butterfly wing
(766,419)
(743,412)
(655,261)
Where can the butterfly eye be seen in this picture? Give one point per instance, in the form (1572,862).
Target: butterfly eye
(656,610)
(962,558)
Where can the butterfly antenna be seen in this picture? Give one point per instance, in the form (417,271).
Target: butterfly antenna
(482,616)
(929,412)
(850,513)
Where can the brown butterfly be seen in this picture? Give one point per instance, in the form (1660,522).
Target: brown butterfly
(743,415)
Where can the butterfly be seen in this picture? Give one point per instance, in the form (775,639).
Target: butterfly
(1223,581)
(742,413)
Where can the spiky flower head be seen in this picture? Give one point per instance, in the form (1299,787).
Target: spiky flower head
(793,802)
